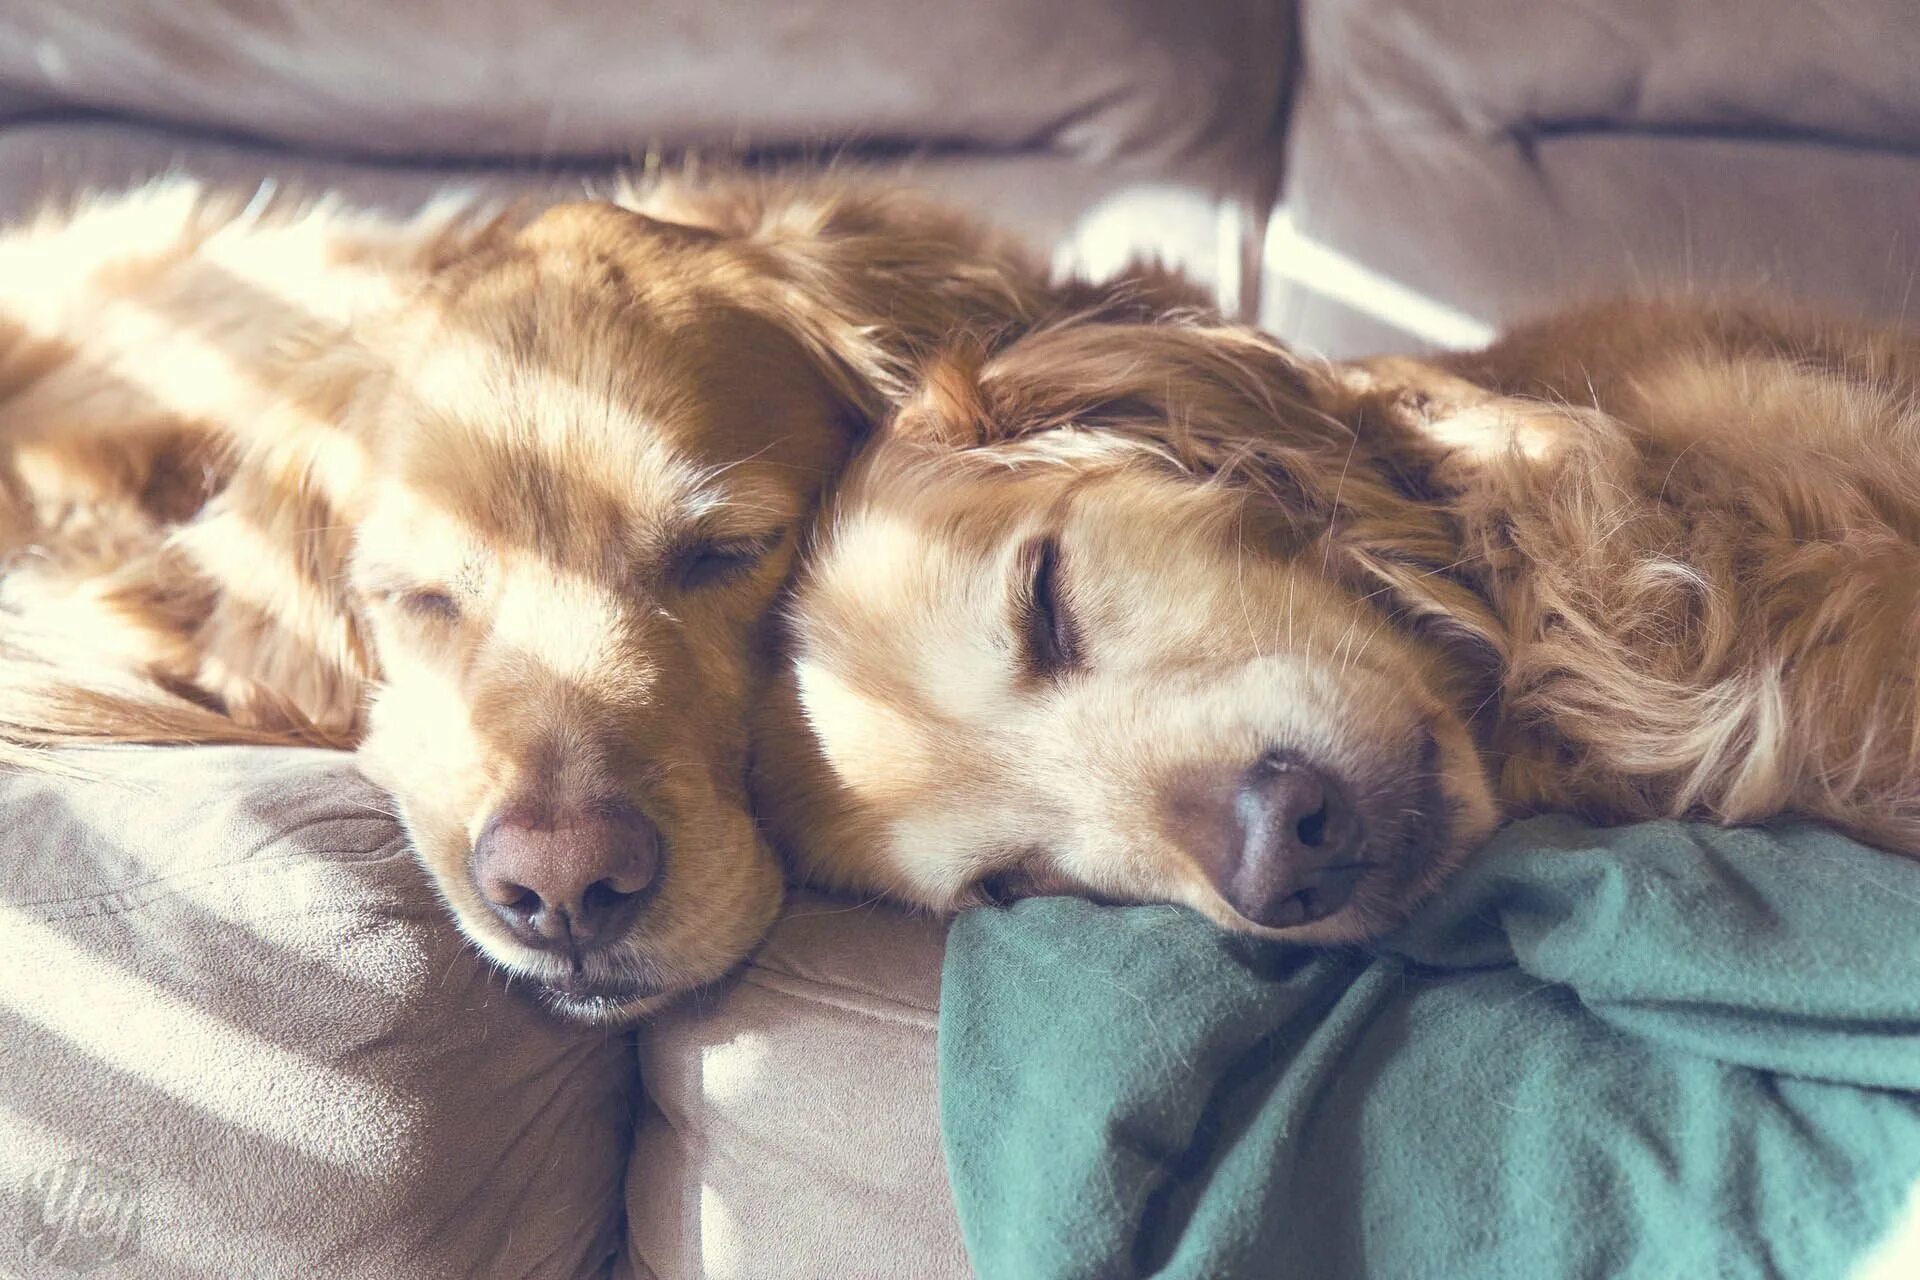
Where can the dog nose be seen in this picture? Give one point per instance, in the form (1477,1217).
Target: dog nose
(1299,835)
(567,885)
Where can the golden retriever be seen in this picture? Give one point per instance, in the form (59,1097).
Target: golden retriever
(1164,613)
(501,500)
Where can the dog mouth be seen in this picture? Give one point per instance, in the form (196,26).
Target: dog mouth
(615,1003)
(1415,828)
(600,988)
(601,999)
(582,988)
(601,1003)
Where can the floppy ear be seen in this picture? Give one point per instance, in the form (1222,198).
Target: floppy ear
(950,408)
(1448,436)
(232,630)
(1215,402)
(1428,434)
(1409,568)
(872,280)
(280,648)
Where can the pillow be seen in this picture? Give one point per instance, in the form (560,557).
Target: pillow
(580,78)
(238,1037)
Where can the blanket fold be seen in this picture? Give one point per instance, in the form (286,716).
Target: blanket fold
(1667,1050)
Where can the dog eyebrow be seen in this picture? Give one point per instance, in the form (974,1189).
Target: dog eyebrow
(388,575)
(718,516)
(706,527)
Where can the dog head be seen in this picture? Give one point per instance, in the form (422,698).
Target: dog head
(584,482)
(1142,612)
(556,518)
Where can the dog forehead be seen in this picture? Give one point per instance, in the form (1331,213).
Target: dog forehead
(585,429)
(909,562)
(1115,523)
(915,590)
(634,309)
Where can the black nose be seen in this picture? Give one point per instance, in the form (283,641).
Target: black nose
(1299,857)
(567,885)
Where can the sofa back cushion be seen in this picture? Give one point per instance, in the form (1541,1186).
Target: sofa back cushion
(577,78)
(1842,72)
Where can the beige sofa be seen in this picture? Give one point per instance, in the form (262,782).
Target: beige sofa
(236,1035)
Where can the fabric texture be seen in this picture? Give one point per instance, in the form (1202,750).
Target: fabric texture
(1657,1051)
(239,1037)
(1506,227)
(792,1130)
(1113,80)
(1085,217)
(1454,165)
(1838,72)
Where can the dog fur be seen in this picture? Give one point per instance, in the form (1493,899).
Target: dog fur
(1651,559)
(499,498)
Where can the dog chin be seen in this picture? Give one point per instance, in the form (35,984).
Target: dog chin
(616,1004)
(610,988)
(611,1008)
(1347,927)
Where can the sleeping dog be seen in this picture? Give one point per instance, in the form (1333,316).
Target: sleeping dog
(1165,613)
(501,500)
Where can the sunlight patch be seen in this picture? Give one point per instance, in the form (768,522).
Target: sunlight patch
(1331,274)
(145,1031)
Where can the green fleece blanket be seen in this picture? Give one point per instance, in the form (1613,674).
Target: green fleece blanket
(1659,1051)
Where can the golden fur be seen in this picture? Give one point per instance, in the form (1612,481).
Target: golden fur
(1656,559)
(499,498)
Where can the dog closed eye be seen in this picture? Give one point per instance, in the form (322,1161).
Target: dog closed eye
(435,604)
(708,564)
(1050,637)
(426,602)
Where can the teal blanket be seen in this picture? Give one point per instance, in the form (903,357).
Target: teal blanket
(1658,1051)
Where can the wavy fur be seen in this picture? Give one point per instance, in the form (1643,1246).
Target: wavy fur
(1652,559)
(278,472)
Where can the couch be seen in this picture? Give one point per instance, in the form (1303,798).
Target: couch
(238,1037)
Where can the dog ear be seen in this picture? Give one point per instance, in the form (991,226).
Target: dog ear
(873,281)
(1443,436)
(950,409)
(281,648)
(1217,402)
(1410,547)
(1408,567)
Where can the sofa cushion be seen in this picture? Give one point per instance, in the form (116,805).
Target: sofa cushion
(582,78)
(794,1128)
(1457,166)
(1439,236)
(240,1038)
(1086,217)
(1719,66)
